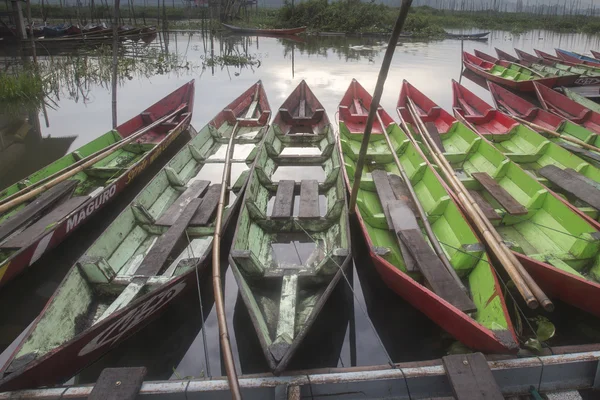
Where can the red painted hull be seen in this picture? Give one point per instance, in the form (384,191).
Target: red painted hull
(506,56)
(481,67)
(451,319)
(596,55)
(567,57)
(26,256)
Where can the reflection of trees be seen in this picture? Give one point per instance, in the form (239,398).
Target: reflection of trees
(233,53)
(345,47)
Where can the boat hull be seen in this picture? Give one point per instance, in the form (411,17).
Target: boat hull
(291,31)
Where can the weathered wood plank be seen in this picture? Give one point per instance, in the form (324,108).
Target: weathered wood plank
(195,190)
(509,203)
(284,200)
(40,226)
(302,109)
(571,183)
(208,207)
(434,272)
(435,135)
(162,249)
(385,193)
(401,192)
(309,199)
(580,151)
(358,107)
(37,206)
(118,384)
(471,377)
(489,211)
(404,219)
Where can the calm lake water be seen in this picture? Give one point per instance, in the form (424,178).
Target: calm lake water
(364,328)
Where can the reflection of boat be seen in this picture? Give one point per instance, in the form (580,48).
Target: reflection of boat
(29,229)
(290,31)
(287,264)
(400,250)
(127,276)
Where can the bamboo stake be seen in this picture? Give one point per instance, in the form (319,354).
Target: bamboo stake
(385,67)
(56,178)
(115,63)
(432,238)
(557,134)
(531,293)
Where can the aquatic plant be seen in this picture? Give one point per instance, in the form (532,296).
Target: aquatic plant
(21,90)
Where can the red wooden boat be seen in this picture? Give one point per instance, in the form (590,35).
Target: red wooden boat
(290,31)
(470,330)
(566,80)
(549,266)
(506,56)
(553,58)
(563,106)
(502,75)
(596,54)
(101,183)
(578,59)
(139,264)
(530,58)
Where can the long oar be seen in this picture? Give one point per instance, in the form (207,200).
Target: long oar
(432,238)
(54,179)
(527,287)
(232,378)
(557,134)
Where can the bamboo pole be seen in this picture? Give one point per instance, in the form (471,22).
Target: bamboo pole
(385,67)
(432,238)
(550,132)
(526,286)
(115,63)
(52,180)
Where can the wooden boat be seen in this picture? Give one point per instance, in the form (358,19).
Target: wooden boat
(516,106)
(290,31)
(30,229)
(563,78)
(535,154)
(558,246)
(147,256)
(287,264)
(584,101)
(56,30)
(465,36)
(516,79)
(565,59)
(596,54)
(400,250)
(577,58)
(503,55)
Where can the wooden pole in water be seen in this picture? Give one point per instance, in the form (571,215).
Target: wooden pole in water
(115,63)
(528,288)
(385,67)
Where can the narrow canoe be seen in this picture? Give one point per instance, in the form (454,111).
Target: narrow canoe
(563,78)
(489,328)
(584,101)
(503,55)
(290,31)
(530,150)
(517,80)
(558,246)
(574,63)
(516,106)
(467,35)
(147,256)
(29,230)
(577,58)
(287,262)
(562,106)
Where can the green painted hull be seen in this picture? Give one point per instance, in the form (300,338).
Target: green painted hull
(287,266)
(584,101)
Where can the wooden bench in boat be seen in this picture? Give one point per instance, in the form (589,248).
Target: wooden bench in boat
(509,203)
(195,190)
(285,196)
(129,380)
(471,378)
(32,210)
(416,252)
(572,183)
(207,209)
(486,207)
(435,135)
(284,200)
(580,151)
(305,116)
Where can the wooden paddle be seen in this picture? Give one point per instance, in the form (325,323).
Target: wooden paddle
(54,179)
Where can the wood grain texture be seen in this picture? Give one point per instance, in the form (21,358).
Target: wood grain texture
(509,203)
(471,377)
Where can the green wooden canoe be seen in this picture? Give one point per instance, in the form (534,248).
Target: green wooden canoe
(559,246)
(584,101)
(292,242)
(387,217)
(147,256)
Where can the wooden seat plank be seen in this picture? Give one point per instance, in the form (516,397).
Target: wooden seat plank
(25,238)
(302,109)
(580,151)
(486,207)
(509,203)
(309,199)
(162,249)
(36,207)
(403,218)
(384,192)
(208,207)
(572,184)
(401,191)
(435,135)
(130,382)
(471,378)
(195,190)
(284,200)
(358,107)
(434,272)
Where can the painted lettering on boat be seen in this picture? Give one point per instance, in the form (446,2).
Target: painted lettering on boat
(90,207)
(129,321)
(586,81)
